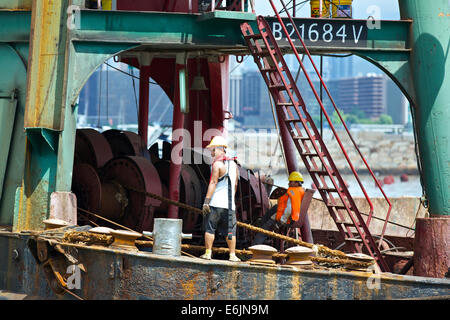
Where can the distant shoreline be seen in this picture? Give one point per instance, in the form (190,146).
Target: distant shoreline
(346,171)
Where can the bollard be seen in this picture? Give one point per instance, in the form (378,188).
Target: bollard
(167,235)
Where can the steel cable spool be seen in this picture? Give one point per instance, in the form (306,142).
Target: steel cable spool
(141,174)
(252,205)
(190,193)
(91,147)
(87,187)
(154,152)
(126,143)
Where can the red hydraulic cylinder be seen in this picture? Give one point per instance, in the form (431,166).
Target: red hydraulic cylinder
(176,156)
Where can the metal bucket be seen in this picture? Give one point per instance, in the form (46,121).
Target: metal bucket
(342,8)
(167,235)
(315,8)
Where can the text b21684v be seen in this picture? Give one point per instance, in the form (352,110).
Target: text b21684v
(321,32)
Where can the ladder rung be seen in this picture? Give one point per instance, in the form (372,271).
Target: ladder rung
(253,36)
(345,223)
(270,69)
(310,154)
(280,86)
(319,171)
(301,138)
(328,189)
(292,120)
(354,239)
(337,206)
(267,53)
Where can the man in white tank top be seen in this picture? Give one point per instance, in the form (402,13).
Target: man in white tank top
(217,201)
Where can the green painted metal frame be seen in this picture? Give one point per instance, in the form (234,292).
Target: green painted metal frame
(430,74)
(12,137)
(8,107)
(99,35)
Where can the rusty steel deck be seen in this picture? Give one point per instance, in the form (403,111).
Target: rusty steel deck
(120,274)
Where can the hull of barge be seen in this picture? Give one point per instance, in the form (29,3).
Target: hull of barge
(121,274)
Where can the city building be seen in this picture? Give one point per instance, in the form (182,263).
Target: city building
(252,86)
(235,93)
(110,97)
(397,104)
(364,96)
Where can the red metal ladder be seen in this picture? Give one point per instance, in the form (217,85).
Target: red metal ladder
(308,140)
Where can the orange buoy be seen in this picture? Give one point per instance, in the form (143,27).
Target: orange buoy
(388,180)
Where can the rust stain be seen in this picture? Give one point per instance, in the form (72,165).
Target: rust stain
(334,289)
(189,288)
(270,284)
(44,48)
(235,279)
(296,292)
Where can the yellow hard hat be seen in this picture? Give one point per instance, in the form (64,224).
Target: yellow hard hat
(296,176)
(218,141)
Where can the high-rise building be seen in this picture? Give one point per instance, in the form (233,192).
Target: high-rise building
(370,96)
(360,95)
(251,90)
(235,93)
(341,67)
(397,103)
(110,98)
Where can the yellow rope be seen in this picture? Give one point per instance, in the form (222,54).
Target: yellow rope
(320,248)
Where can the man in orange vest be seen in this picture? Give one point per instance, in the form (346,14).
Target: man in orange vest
(287,210)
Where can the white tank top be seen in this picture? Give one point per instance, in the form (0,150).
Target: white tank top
(220,197)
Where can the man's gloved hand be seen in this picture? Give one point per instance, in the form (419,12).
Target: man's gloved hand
(206,209)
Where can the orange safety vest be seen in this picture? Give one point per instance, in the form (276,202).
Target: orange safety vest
(295,195)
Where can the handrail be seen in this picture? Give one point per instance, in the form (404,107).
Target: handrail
(327,116)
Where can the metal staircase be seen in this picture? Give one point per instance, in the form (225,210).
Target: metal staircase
(308,140)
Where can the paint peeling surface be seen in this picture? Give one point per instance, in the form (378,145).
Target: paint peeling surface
(16,4)
(119,274)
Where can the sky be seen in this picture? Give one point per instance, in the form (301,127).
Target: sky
(388,9)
